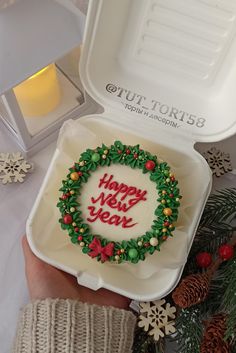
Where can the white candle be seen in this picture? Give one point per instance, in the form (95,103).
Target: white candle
(40,93)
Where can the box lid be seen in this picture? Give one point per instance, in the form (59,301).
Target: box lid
(166,60)
(33,34)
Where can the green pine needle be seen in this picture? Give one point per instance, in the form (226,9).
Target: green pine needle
(220,207)
(228,275)
(143,343)
(217,227)
(189,330)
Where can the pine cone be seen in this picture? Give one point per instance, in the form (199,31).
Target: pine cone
(213,339)
(192,290)
(216,327)
(213,347)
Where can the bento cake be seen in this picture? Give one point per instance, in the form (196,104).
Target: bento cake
(119,203)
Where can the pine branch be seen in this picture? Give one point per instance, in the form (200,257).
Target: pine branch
(215,227)
(214,300)
(143,343)
(189,330)
(228,274)
(220,207)
(233,347)
(160,346)
(140,341)
(208,240)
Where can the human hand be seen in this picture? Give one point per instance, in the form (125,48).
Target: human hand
(45,281)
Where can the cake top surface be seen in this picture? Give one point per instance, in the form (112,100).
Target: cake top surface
(119,203)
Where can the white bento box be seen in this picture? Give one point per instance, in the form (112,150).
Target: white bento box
(162,70)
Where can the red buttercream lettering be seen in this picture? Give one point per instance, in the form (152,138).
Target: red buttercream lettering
(94,214)
(111,201)
(106,217)
(114,185)
(101,198)
(115,201)
(116,220)
(105,182)
(130,191)
(108,183)
(140,197)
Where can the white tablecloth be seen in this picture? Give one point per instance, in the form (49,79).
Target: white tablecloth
(15,204)
(16,201)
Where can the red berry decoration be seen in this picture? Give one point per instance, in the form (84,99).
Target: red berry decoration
(135,155)
(204,259)
(128,151)
(150,165)
(226,251)
(67,219)
(64,197)
(80,238)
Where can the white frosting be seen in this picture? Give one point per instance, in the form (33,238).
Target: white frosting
(141,213)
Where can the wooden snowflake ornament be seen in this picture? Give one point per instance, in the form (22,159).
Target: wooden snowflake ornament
(13,167)
(218,161)
(157,318)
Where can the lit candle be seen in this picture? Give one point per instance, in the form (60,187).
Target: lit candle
(40,93)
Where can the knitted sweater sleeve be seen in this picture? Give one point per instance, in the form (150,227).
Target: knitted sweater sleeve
(69,326)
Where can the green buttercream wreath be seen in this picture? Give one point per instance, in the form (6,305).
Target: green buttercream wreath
(165,214)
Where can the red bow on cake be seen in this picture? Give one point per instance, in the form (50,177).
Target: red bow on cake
(97,249)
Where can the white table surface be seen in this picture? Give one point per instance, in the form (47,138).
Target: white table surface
(16,201)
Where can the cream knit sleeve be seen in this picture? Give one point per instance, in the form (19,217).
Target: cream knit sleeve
(69,326)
